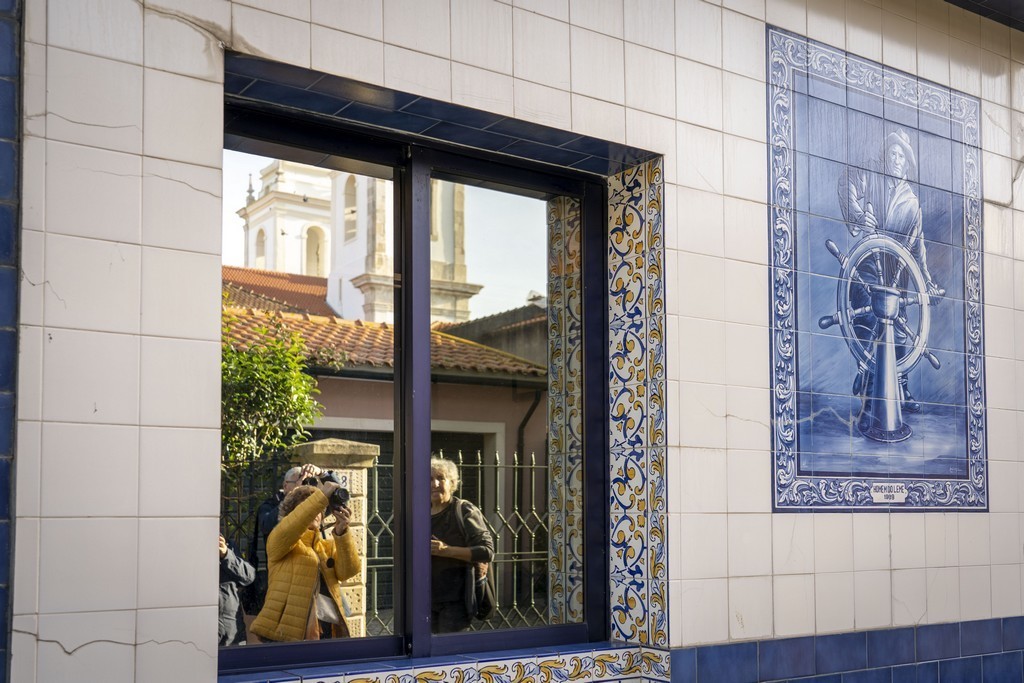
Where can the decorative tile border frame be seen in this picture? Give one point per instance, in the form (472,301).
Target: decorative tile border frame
(565,442)
(792,58)
(636,319)
(607,663)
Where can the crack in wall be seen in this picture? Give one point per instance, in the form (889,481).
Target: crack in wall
(44,283)
(186,184)
(99,641)
(90,125)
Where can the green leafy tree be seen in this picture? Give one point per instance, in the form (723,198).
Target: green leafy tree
(267,395)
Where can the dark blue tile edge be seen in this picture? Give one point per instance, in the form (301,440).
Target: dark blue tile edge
(10,221)
(991,650)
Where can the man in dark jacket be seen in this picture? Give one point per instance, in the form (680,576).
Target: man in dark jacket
(234,572)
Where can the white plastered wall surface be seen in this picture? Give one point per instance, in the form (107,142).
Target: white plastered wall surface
(117,460)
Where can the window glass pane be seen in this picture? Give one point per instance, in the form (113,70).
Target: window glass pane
(308,296)
(506,476)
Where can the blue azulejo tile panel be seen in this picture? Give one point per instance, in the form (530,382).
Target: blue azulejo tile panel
(878,388)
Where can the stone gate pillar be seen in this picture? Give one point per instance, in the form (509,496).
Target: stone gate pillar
(351,460)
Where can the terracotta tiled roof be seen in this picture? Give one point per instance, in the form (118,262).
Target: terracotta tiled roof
(371,344)
(295,292)
(240,297)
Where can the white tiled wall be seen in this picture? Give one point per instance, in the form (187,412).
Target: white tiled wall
(118,397)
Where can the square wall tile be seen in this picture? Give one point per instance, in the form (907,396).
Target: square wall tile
(348,55)
(33,79)
(793,544)
(183,119)
(175,460)
(747,422)
(650,23)
(92,284)
(30,373)
(26,566)
(598,118)
(750,607)
(82,464)
(421,25)
(482,89)
(176,306)
(33,183)
(975,593)
(90,581)
(649,82)
(750,545)
(703,611)
(704,230)
(833,602)
(181,47)
(793,598)
(104,29)
(908,540)
(699,31)
(176,644)
(602,16)
(870,542)
(360,17)
(109,657)
(181,206)
(170,549)
(749,481)
(872,595)
(557,9)
(700,158)
(833,543)
(709,534)
(974,539)
(909,597)
(93,193)
(597,65)
(541,104)
(270,35)
(482,34)
(29,455)
(1006,590)
(78,385)
(746,356)
(943,595)
(418,73)
(180,383)
(540,49)
(743,46)
(698,89)
(93,101)
(743,107)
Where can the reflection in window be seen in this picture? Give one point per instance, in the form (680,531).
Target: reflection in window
(276,525)
(500,269)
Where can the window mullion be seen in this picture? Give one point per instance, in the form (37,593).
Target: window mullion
(415,362)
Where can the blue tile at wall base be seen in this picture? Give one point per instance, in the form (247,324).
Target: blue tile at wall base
(935,653)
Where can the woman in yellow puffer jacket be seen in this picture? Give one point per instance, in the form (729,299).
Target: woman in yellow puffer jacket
(299,561)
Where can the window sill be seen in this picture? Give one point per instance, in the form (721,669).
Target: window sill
(586,662)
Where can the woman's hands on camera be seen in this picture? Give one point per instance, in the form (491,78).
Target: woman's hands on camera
(342,516)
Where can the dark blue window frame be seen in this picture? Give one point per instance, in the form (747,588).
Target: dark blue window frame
(411,164)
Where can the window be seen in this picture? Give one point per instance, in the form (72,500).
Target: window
(261,250)
(314,261)
(351,207)
(480,286)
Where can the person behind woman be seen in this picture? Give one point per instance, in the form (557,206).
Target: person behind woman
(305,569)
(459,536)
